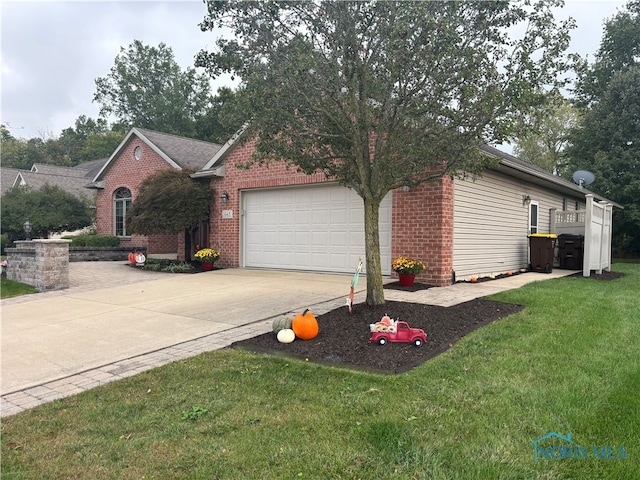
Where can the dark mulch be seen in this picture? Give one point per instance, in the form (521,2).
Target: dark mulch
(603,276)
(344,339)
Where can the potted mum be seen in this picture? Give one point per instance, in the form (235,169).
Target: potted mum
(207,256)
(407,269)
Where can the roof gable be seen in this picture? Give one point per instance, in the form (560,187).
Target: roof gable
(7,178)
(36,180)
(179,152)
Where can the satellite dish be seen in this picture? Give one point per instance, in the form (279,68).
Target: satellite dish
(583,177)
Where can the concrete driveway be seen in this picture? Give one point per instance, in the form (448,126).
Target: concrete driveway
(113,312)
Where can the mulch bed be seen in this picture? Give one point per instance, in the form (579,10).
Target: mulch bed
(344,339)
(603,276)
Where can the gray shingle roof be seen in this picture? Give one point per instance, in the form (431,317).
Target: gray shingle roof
(516,167)
(179,152)
(188,153)
(70,184)
(92,168)
(57,170)
(7,177)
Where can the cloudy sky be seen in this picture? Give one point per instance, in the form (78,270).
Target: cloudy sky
(52,51)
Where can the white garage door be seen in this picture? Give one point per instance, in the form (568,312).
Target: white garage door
(319,228)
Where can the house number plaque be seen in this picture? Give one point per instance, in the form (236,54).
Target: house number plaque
(227,213)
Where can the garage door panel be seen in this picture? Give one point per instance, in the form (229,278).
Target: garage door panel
(320,239)
(339,240)
(356,238)
(320,217)
(317,228)
(339,216)
(302,238)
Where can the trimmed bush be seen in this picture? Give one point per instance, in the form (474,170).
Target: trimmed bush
(4,243)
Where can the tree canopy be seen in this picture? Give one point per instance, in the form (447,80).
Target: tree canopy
(219,123)
(380,95)
(147,88)
(87,140)
(169,201)
(542,136)
(49,209)
(608,141)
(619,50)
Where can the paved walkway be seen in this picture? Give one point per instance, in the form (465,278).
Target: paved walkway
(115,321)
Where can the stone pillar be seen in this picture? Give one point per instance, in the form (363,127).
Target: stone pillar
(41,263)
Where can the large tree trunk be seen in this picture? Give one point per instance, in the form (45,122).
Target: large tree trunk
(375,291)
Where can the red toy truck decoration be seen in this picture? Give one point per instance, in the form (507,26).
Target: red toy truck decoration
(389,330)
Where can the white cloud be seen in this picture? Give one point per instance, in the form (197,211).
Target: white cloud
(52,51)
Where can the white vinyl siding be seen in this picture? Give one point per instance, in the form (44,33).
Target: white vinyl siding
(491,223)
(316,228)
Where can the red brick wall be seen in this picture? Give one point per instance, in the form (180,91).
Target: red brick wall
(225,232)
(422,228)
(126,171)
(422,219)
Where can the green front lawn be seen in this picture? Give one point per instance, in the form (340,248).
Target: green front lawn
(569,363)
(9,288)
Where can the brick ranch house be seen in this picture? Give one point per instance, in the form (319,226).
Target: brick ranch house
(275,217)
(140,154)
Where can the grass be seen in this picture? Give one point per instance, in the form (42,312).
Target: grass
(10,288)
(569,363)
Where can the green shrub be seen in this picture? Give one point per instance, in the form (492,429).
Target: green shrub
(181,267)
(4,243)
(94,240)
(154,267)
(166,265)
(157,264)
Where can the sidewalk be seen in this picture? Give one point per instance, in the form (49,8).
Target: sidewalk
(95,332)
(464,292)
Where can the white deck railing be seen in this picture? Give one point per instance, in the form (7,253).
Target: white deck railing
(595,224)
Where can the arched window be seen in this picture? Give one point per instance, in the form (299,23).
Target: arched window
(122,204)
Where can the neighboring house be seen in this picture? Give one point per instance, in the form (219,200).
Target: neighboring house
(140,154)
(276,217)
(70,179)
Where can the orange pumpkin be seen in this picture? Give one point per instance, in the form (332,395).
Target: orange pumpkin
(305,325)
(132,258)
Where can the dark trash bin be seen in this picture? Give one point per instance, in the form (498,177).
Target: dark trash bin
(541,246)
(571,251)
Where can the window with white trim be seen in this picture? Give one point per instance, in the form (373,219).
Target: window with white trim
(121,204)
(533,217)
